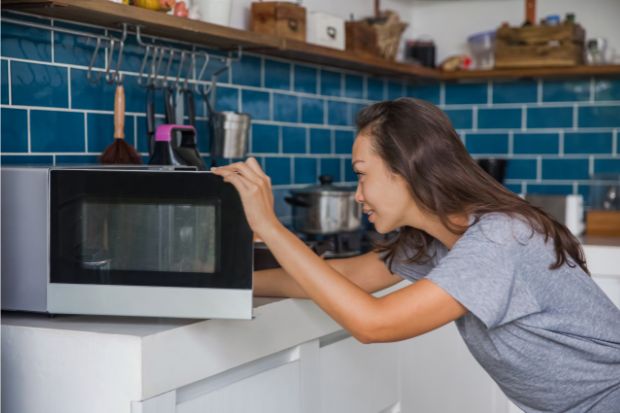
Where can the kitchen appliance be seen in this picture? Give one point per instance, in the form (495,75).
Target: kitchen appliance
(325,209)
(566,209)
(132,241)
(325,30)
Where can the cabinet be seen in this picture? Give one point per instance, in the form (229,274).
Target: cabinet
(439,375)
(361,378)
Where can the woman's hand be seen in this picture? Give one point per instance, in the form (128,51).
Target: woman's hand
(254,188)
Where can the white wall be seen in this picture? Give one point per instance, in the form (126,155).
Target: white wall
(450,22)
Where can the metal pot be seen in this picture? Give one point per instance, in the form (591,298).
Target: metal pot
(230,134)
(325,209)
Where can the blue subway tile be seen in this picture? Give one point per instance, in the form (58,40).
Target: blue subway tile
(247,71)
(34,84)
(521,169)
(466,93)
(77,159)
(584,191)
(523,91)
(607,89)
(460,118)
(599,116)
(100,131)
(320,141)
(203,137)
(227,99)
(312,110)
(277,75)
(279,170)
(331,166)
(428,92)
(536,143)
(349,174)
(353,86)
(356,108)
(549,189)
(565,169)
(4,69)
(395,90)
(89,95)
(256,104)
(550,117)
(133,55)
(77,50)
(56,131)
(285,107)
(487,143)
(344,141)
(25,42)
(331,83)
(265,138)
(135,95)
(26,160)
(305,170)
(305,79)
(516,188)
(375,88)
(565,91)
(293,140)
(588,142)
(605,166)
(499,118)
(14,137)
(338,113)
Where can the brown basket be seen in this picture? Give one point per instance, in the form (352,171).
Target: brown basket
(389,30)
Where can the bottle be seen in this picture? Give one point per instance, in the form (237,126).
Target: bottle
(163,153)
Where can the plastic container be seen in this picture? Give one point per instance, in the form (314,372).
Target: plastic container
(482,47)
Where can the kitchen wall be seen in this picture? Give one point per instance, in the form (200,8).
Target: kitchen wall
(556,133)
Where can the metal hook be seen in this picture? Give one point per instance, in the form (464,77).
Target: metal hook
(168,66)
(108,62)
(176,82)
(89,74)
(202,72)
(150,80)
(141,80)
(118,76)
(191,69)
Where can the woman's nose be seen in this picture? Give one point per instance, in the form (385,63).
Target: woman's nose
(359,198)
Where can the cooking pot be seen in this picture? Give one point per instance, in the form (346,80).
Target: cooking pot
(325,209)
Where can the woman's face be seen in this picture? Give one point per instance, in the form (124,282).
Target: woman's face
(384,195)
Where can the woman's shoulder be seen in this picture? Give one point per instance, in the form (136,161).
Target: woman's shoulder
(502,228)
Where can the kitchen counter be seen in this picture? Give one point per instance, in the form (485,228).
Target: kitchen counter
(84,358)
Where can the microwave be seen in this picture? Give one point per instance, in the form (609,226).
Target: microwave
(141,241)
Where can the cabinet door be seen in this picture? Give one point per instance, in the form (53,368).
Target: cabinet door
(272,391)
(439,375)
(356,377)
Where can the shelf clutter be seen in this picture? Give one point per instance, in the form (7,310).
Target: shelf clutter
(110,14)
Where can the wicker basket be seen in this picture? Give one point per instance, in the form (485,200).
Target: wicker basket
(389,30)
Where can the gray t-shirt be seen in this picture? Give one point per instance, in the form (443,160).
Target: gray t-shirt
(549,338)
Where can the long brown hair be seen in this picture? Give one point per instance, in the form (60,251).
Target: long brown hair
(417,141)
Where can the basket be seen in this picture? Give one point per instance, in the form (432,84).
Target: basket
(389,30)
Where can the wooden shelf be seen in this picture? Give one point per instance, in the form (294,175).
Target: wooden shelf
(109,14)
(575,71)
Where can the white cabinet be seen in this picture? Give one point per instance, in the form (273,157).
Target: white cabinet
(273,391)
(439,375)
(356,377)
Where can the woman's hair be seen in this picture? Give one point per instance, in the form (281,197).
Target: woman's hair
(416,140)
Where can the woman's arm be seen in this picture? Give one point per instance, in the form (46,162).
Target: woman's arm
(366,271)
(408,312)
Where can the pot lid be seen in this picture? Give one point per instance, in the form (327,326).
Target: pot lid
(326,187)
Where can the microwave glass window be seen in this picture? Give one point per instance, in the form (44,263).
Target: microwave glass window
(149,236)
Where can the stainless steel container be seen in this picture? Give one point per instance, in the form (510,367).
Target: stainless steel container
(325,209)
(230,134)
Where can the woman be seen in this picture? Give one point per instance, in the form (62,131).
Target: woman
(514,280)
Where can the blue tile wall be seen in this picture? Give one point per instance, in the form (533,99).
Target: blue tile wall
(556,134)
